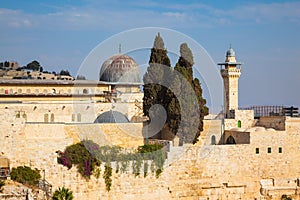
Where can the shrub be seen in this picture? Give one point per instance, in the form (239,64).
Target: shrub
(63,194)
(79,155)
(147,148)
(285,197)
(2,183)
(107,176)
(25,175)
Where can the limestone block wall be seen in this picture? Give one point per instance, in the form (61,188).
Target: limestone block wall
(211,128)
(67,111)
(240,137)
(245,116)
(276,122)
(199,172)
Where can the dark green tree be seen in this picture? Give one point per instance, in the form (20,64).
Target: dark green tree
(185,67)
(65,73)
(34,65)
(159,68)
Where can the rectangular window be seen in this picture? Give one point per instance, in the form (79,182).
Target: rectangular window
(257,150)
(269,150)
(280,150)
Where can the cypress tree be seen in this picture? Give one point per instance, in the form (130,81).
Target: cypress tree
(185,67)
(159,66)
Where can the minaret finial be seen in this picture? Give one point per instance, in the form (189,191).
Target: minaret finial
(229,45)
(120,49)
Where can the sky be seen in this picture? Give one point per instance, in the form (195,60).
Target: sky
(60,34)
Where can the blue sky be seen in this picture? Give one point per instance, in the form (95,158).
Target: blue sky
(265,35)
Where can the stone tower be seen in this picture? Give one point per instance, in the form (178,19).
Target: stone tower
(230,71)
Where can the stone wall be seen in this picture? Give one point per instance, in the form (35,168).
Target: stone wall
(67,111)
(245,116)
(276,122)
(202,171)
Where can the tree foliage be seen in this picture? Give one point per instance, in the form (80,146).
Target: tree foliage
(79,155)
(155,92)
(185,67)
(64,73)
(63,194)
(25,175)
(159,77)
(2,183)
(35,66)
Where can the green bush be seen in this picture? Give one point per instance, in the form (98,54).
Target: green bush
(285,197)
(80,155)
(107,176)
(147,148)
(2,183)
(63,194)
(25,175)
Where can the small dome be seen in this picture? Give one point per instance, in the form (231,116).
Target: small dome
(230,52)
(112,117)
(120,68)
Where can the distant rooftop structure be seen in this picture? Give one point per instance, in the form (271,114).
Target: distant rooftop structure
(112,117)
(263,111)
(120,68)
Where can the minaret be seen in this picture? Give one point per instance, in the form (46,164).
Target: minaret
(230,71)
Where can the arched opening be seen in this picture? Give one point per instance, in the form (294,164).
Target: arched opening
(230,140)
(79,117)
(239,124)
(52,117)
(25,116)
(46,117)
(213,140)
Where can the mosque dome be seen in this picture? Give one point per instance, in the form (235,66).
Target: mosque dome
(230,52)
(120,68)
(112,117)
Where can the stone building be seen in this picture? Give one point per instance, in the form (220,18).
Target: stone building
(238,157)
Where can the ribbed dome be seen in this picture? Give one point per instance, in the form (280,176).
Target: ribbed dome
(230,52)
(120,68)
(111,117)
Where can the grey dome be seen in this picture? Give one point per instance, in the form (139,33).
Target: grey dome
(230,52)
(111,117)
(120,68)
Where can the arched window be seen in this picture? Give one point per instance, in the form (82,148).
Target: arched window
(73,117)
(18,115)
(46,117)
(213,140)
(79,117)
(230,140)
(239,124)
(19,90)
(25,116)
(52,117)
